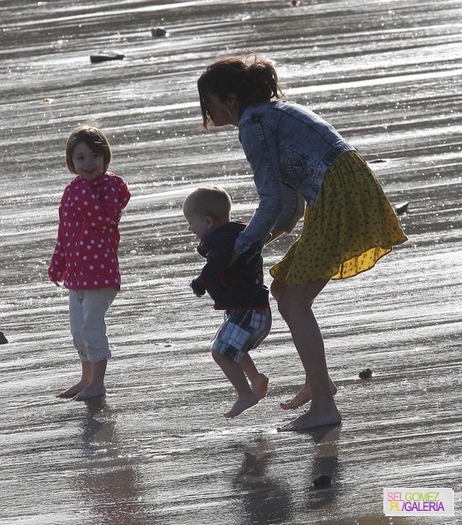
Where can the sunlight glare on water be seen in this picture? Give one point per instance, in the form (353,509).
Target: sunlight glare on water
(157,450)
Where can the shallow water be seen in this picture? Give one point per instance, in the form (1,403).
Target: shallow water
(157,451)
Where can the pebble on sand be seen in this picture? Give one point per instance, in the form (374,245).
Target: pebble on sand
(402,208)
(159,31)
(3,339)
(366,373)
(104,56)
(322,481)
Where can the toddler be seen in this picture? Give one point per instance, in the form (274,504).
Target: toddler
(236,289)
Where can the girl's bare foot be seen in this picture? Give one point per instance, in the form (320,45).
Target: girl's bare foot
(243,403)
(302,397)
(89,392)
(72,391)
(313,419)
(260,386)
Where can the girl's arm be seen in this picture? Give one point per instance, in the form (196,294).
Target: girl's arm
(100,202)
(293,209)
(57,267)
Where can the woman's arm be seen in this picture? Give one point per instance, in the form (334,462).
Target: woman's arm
(293,209)
(261,153)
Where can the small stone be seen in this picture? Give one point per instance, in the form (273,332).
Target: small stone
(3,339)
(322,481)
(158,31)
(365,374)
(104,56)
(402,208)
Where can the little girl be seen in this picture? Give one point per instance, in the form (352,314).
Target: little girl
(85,256)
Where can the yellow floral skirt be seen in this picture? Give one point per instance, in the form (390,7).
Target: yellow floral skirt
(349,229)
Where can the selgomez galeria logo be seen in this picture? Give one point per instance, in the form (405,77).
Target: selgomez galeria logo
(418,501)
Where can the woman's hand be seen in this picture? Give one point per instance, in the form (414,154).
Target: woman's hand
(234,257)
(274,235)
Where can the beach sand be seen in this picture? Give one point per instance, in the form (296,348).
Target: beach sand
(157,449)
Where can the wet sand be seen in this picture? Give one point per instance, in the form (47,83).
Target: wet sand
(157,449)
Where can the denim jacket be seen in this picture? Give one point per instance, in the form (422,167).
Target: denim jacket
(289,149)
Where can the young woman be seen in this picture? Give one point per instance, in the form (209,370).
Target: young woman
(349,223)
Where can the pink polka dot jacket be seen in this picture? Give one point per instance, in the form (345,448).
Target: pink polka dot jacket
(86,251)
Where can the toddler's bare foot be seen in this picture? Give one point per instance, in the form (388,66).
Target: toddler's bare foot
(72,391)
(260,386)
(302,397)
(243,403)
(313,419)
(89,392)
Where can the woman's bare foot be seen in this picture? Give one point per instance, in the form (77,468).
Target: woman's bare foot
(260,386)
(302,397)
(313,419)
(89,392)
(72,391)
(243,403)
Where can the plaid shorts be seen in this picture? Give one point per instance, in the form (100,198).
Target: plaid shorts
(241,331)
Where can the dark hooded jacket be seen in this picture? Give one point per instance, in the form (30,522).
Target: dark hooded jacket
(237,287)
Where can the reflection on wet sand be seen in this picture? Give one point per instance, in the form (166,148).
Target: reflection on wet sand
(109,481)
(264,499)
(157,451)
(269,499)
(325,462)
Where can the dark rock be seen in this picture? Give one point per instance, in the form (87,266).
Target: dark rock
(322,481)
(158,31)
(3,339)
(402,208)
(104,56)
(365,374)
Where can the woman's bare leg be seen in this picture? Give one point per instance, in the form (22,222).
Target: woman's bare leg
(294,303)
(303,396)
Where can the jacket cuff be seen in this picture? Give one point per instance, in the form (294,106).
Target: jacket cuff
(198,287)
(241,245)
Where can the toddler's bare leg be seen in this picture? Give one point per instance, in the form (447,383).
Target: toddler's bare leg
(235,374)
(258,381)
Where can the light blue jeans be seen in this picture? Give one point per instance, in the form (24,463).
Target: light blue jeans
(87,310)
